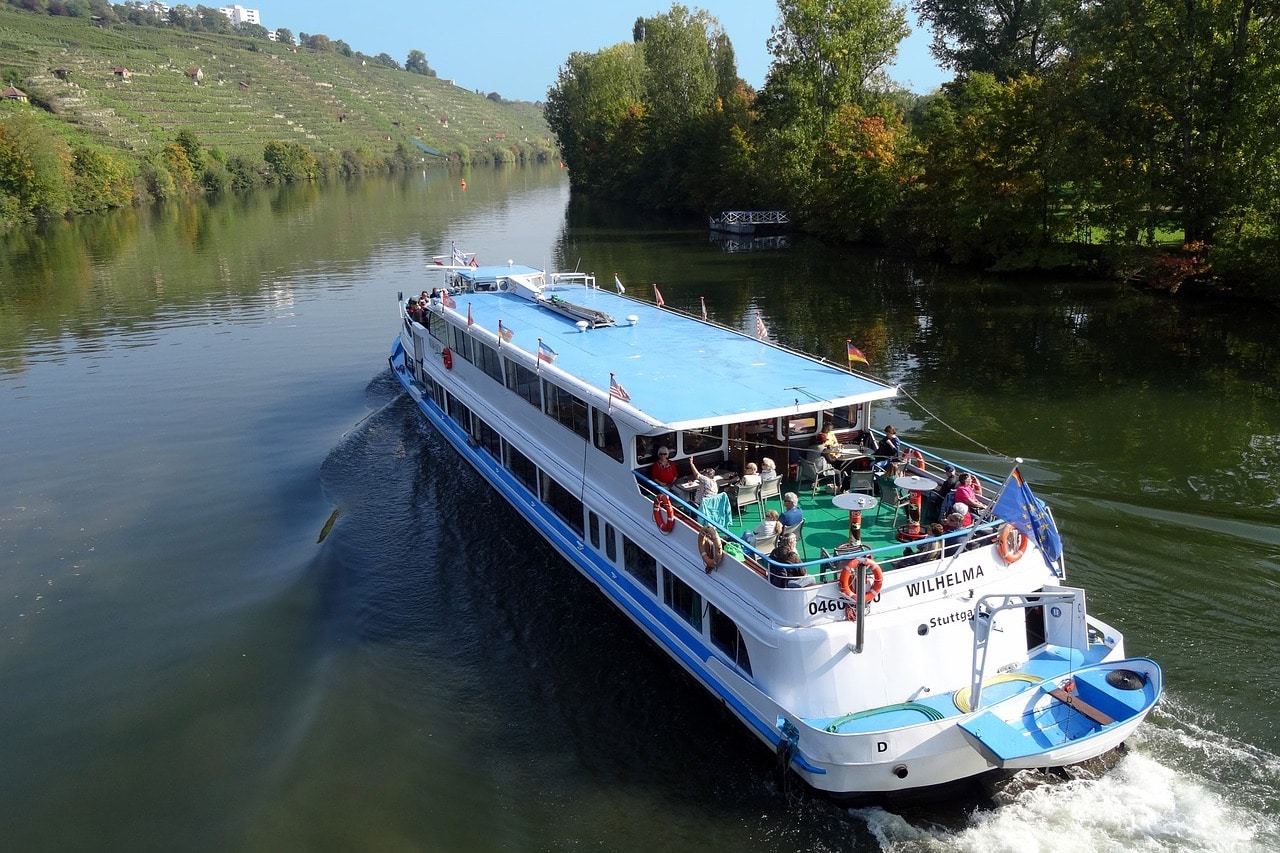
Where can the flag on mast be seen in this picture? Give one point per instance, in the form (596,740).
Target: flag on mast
(474,263)
(762,331)
(1029,516)
(448,300)
(617,283)
(546,353)
(703,300)
(855,354)
(657,296)
(470,320)
(616,390)
(504,332)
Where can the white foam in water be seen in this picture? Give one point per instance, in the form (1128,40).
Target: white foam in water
(1139,805)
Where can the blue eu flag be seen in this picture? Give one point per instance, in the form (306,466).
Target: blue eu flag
(1028,514)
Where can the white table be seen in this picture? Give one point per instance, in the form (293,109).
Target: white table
(914,483)
(856,503)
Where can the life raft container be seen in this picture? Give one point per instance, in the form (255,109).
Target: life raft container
(664,515)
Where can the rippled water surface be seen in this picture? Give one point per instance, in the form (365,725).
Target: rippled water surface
(186,395)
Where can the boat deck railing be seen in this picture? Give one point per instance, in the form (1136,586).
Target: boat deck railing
(823,570)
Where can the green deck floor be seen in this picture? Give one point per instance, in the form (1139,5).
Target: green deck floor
(826,526)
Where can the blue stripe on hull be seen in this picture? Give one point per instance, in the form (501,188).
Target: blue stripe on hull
(637,605)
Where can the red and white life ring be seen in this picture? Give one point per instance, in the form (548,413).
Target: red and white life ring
(447,355)
(664,515)
(1004,544)
(847,588)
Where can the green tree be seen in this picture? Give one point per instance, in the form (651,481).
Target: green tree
(284,35)
(35,169)
(862,171)
(190,144)
(416,62)
(997,36)
(99,180)
(385,59)
(290,162)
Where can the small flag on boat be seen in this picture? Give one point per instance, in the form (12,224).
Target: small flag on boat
(474,263)
(855,354)
(1028,515)
(470,320)
(616,390)
(505,333)
(546,353)
(703,300)
(617,283)
(762,331)
(657,296)
(448,300)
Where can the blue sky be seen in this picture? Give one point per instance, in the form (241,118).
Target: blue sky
(515,46)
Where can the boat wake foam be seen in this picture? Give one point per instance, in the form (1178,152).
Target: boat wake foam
(1182,787)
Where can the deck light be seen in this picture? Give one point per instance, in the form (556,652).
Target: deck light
(582,325)
(633,319)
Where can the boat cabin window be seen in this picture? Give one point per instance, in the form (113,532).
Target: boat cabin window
(435,392)
(647,447)
(563,502)
(640,564)
(568,410)
(610,543)
(460,413)
(726,637)
(701,440)
(524,382)
(488,360)
(438,326)
(604,432)
(800,426)
(487,437)
(844,417)
(523,469)
(461,343)
(593,530)
(681,598)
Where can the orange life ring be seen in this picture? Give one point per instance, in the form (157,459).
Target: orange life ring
(1004,544)
(916,458)
(447,355)
(846,578)
(663,514)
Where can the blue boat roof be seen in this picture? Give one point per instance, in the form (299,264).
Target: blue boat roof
(493,273)
(678,370)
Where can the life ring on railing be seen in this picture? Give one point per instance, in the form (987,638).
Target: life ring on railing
(860,564)
(1004,544)
(711,549)
(916,458)
(447,355)
(664,515)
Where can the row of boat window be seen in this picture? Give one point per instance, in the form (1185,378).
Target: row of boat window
(677,595)
(566,408)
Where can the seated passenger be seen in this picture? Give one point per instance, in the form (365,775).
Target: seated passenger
(751,476)
(960,512)
(785,553)
(415,313)
(663,471)
(826,437)
(768,471)
(706,483)
(967,492)
(710,547)
(791,513)
(769,527)
(931,550)
(889,447)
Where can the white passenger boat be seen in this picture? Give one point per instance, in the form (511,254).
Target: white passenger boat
(873,665)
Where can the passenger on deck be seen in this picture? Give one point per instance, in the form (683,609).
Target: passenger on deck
(967,492)
(949,482)
(706,483)
(791,513)
(771,526)
(785,553)
(768,471)
(931,550)
(750,477)
(663,471)
(889,447)
(710,547)
(414,312)
(960,512)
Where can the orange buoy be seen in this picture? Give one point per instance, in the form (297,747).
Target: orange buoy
(462,184)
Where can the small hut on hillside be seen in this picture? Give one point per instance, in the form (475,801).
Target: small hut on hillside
(63,74)
(196,73)
(13,93)
(121,72)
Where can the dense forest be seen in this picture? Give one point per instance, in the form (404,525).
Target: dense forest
(1135,138)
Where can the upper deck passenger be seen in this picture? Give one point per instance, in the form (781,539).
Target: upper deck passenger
(663,471)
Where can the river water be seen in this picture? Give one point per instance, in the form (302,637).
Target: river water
(187,394)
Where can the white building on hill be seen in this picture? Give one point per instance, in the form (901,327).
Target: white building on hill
(241,15)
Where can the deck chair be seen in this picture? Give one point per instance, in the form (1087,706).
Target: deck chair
(765,543)
(862,481)
(798,530)
(817,471)
(889,497)
(746,496)
(717,509)
(770,489)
